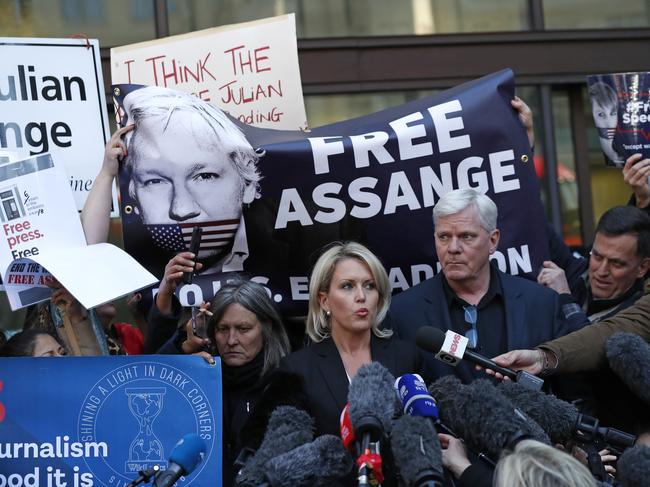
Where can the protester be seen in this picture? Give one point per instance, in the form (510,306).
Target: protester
(122,338)
(75,331)
(612,277)
(534,464)
(611,280)
(32,343)
(496,311)
(246,332)
(165,312)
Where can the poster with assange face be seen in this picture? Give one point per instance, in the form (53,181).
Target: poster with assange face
(620,104)
(268,201)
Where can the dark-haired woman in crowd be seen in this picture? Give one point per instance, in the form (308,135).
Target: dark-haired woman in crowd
(32,343)
(246,332)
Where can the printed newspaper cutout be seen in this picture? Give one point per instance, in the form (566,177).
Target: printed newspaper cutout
(41,232)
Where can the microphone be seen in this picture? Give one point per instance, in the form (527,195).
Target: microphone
(633,466)
(185,457)
(417,451)
(319,463)
(416,400)
(555,416)
(447,392)
(195,245)
(372,406)
(562,420)
(629,357)
(451,348)
(483,417)
(345,428)
(287,429)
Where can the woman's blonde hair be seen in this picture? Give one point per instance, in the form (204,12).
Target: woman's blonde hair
(318,323)
(534,464)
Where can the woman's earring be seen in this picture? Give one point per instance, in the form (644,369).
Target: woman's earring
(328,313)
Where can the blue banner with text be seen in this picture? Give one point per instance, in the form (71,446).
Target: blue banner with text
(99,421)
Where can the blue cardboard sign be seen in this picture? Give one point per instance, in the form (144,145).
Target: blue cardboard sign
(98,421)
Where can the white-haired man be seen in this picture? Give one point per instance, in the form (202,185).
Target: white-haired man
(495,311)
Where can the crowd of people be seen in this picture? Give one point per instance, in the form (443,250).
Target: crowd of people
(556,328)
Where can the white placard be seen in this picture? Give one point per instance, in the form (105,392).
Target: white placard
(40,227)
(93,274)
(249,70)
(52,100)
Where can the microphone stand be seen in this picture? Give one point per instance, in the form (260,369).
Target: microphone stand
(145,476)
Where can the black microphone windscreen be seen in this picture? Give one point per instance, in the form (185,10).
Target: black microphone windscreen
(444,387)
(416,449)
(291,417)
(555,416)
(430,338)
(372,398)
(448,391)
(629,357)
(491,423)
(633,467)
(318,463)
(287,429)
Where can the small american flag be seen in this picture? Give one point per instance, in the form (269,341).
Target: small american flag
(606,132)
(177,237)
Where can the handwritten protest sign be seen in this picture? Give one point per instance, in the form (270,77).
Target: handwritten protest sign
(42,235)
(98,421)
(47,105)
(374,179)
(249,70)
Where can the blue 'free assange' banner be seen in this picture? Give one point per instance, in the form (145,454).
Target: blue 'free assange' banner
(98,421)
(374,179)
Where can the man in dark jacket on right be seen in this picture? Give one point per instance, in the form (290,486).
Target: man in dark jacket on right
(612,278)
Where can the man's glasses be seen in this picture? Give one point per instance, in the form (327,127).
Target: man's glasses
(471,316)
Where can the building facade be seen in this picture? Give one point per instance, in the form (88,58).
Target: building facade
(359,56)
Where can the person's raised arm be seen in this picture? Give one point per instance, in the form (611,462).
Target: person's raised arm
(584,349)
(166,309)
(635,175)
(174,270)
(96,213)
(526,118)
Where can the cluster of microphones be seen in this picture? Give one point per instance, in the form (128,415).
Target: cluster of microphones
(400,419)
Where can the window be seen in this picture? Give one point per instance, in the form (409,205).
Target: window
(343,18)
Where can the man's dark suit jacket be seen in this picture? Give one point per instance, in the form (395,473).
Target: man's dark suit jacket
(533,316)
(326,383)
